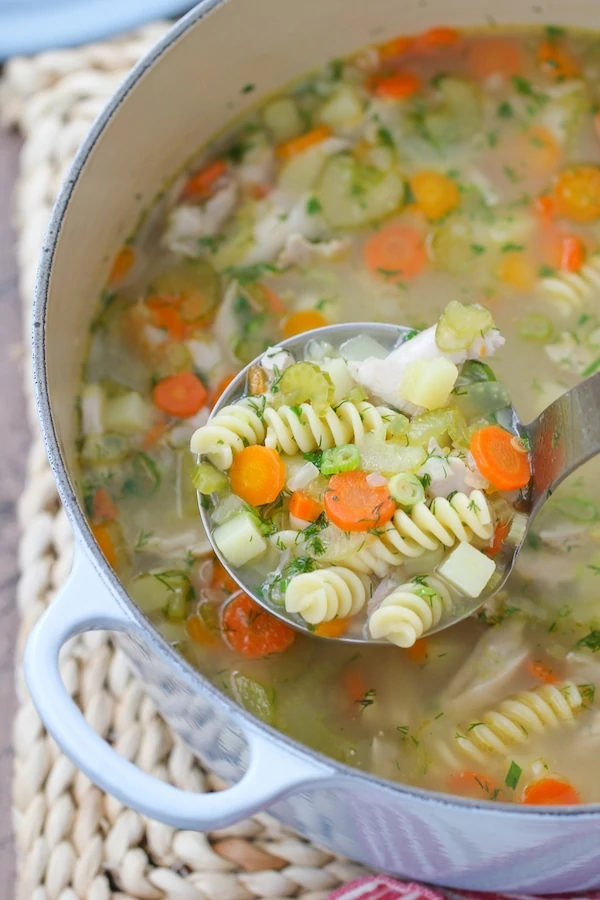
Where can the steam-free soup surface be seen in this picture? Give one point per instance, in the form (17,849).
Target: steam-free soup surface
(475,160)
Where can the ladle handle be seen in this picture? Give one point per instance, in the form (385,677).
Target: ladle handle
(563,437)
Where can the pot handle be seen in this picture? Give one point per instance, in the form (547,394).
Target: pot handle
(85,603)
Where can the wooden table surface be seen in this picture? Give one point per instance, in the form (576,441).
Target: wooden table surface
(13,457)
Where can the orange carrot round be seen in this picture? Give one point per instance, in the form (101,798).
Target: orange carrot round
(353,504)
(200,185)
(556,61)
(517,270)
(572,253)
(104,540)
(303,320)
(435,194)
(122,264)
(471,784)
(498,459)
(395,47)
(257,475)
(576,193)
(395,87)
(252,631)
(544,206)
(538,151)
(181,395)
(165,315)
(550,791)
(495,56)
(542,672)
(302,143)
(396,251)
(103,507)
(333,629)
(198,631)
(304,507)
(434,38)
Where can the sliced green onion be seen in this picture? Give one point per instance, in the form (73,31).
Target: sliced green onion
(209,480)
(579,510)
(535,327)
(144,478)
(340,459)
(406,489)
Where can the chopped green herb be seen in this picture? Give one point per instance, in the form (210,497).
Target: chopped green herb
(546,272)
(505,110)
(588,692)
(478,249)
(511,174)
(368,699)
(315,457)
(248,88)
(248,274)
(385,137)
(591,641)
(512,248)
(313,206)
(555,31)
(513,775)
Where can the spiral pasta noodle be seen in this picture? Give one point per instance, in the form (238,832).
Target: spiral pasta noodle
(232,428)
(518,718)
(299,429)
(326,594)
(570,289)
(410,610)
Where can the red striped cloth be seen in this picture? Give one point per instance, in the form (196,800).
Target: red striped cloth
(381,887)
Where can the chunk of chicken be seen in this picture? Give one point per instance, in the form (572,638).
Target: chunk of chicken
(298,251)
(186,224)
(382,377)
(276,221)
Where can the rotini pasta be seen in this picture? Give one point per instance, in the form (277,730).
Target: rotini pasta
(326,594)
(410,610)
(233,428)
(518,718)
(291,430)
(569,289)
(287,429)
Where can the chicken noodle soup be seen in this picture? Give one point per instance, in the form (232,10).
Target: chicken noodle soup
(438,168)
(348,512)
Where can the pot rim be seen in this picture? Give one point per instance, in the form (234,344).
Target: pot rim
(79,521)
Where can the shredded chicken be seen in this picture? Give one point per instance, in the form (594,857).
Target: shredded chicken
(281,220)
(186,224)
(298,251)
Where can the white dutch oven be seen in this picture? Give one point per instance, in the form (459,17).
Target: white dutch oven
(186,89)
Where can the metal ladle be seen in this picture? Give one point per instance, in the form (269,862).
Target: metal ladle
(562,438)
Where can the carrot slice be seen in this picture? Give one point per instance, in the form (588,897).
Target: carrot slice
(303,320)
(353,684)
(304,142)
(550,791)
(517,270)
(433,38)
(198,631)
(556,61)
(396,47)
(181,395)
(335,628)
(495,56)
(154,434)
(396,251)
(166,316)
(257,475)
(220,388)
(304,507)
(538,150)
(498,458)
(418,652)
(221,579)
(572,253)
(544,206)
(435,194)
(253,632)
(500,535)
(542,672)
(353,504)
(396,86)
(201,185)
(122,264)
(576,193)
(104,540)
(103,508)
(470,784)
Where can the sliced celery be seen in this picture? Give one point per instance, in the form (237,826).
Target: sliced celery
(254,697)
(105,449)
(166,591)
(209,480)
(144,478)
(444,425)
(481,399)
(340,459)
(305,382)
(460,324)
(195,283)
(535,326)
(579,510)
(352,195)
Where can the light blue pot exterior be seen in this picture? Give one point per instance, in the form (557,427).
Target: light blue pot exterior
(404,831)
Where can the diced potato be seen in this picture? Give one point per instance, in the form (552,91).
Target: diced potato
(343,109)
(353,195)
(428,382)
(128,414)
(239,539)
(283,119)
(388,457)
(468,569)
(343,382)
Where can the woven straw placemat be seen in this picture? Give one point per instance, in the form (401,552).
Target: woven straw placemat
(72,840)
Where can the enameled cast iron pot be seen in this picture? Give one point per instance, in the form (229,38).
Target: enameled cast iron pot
(184,91)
